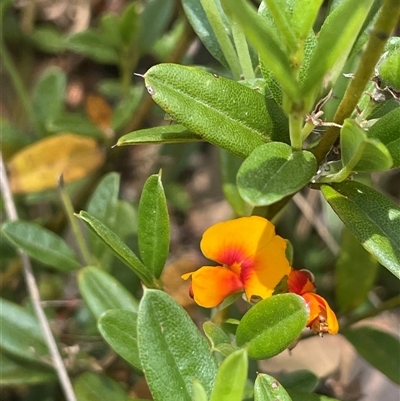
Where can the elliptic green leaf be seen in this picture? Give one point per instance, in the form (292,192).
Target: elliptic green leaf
(335,40)
(48,39)
(264,39)
(231,378)
(15,372)
(153,21)
(41,244)
(49,95)
(94,387)
(201,25)
(172,351)
(301,380)
(267,388)
(21,334)
(272,172)
(94,45)
(102,292)
(174,133)
(353,280)
(389,70)
(119,328)
(371,217)
(220,341)
(120,249)
(380,349)
(360,153)
(271,325)
(103,206)
(76,123)
(386,129)
(153,228)
(223,112)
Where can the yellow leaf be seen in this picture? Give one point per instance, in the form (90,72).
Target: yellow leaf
(38,167)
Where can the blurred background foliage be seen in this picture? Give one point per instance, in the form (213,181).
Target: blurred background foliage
(68,92)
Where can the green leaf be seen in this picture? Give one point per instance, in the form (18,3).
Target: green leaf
(103,206)
(21,334)
(335,40)
(280,123)
(201,25)
(301,380)
(94,45)
(48,96)
(199,394)
(76,123)
(386,129)
(223,112)
(41,244)
(102,292)
(360,153)
(371,217)
(119,328)
(389,70)
(284,24)
(172,350)
(380,349)
(305,396)
(304,15)
(125,109)
(231,378)
(153,228)
(120,249)
(154,21)
(95,387)
(271,325)
(128,27)
(267,388)
(353,280)
(220,341)
(215,334)
(273,171)
(15,372)
(48,39)
(110,26)
(262,36)
(126,222)
(174,133)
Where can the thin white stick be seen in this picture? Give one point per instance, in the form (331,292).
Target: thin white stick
(59,366)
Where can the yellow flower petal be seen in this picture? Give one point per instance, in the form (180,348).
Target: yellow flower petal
(250,248)
(321,318)
(212,284)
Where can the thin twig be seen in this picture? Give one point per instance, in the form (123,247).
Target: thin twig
(309,214)
(33,290)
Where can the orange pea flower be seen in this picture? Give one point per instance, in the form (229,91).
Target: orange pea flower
(321,318)
(251,257)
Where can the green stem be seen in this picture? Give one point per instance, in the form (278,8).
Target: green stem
(69,210)
(214,17)
(295,128)
(17,82)
(385,23)
(242,49)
